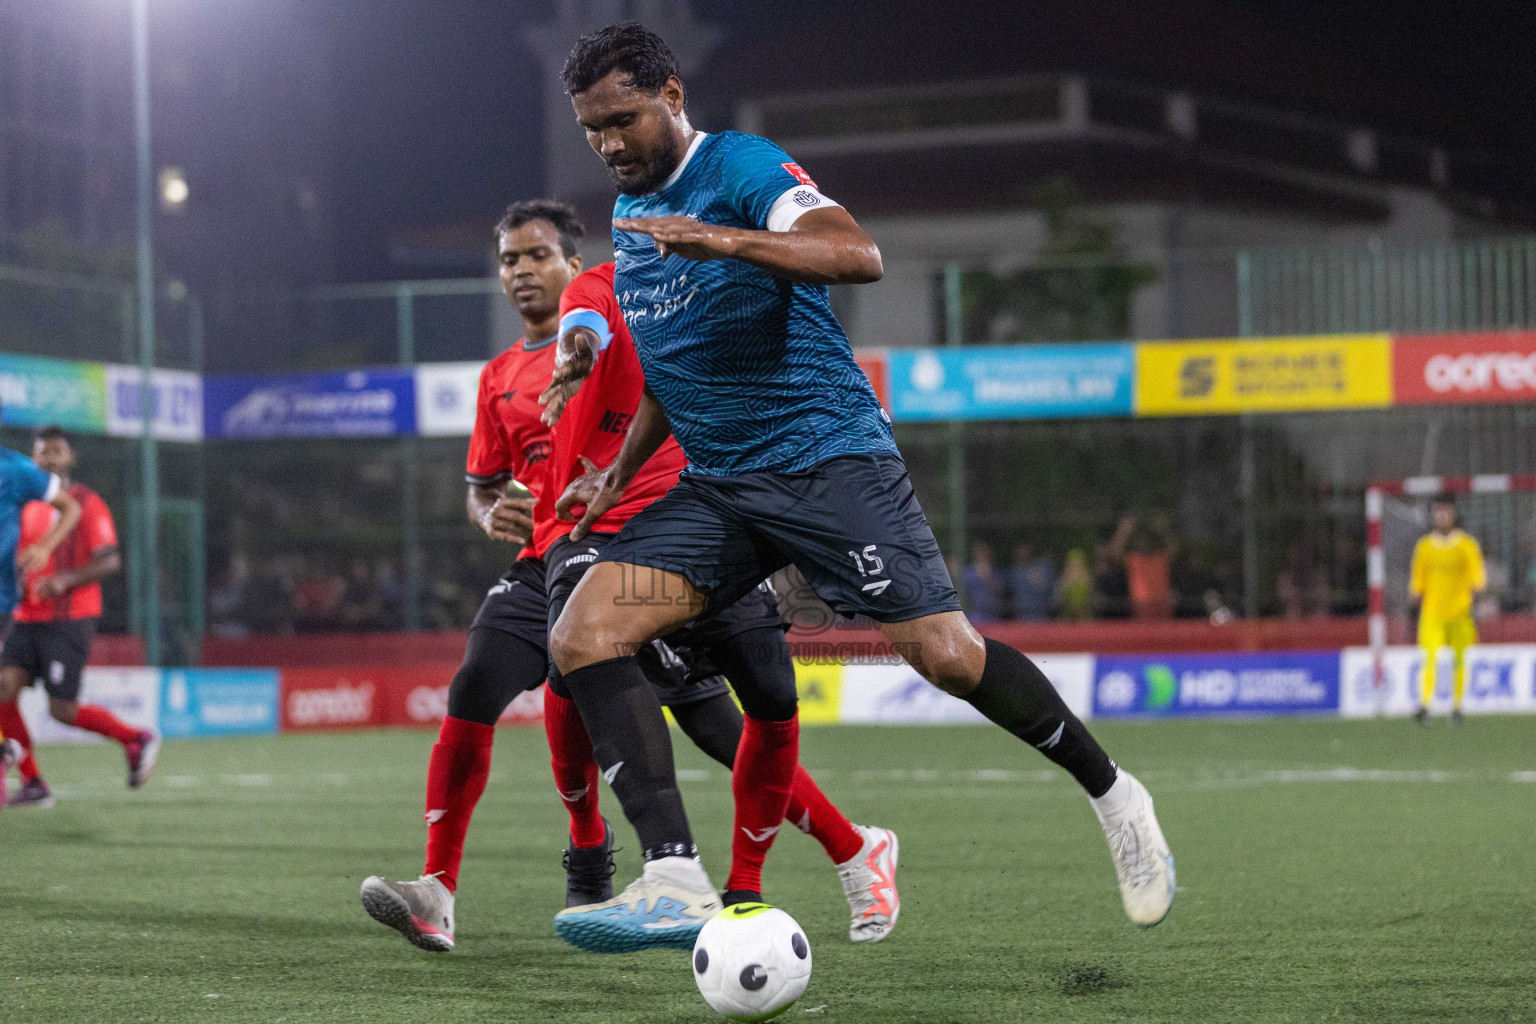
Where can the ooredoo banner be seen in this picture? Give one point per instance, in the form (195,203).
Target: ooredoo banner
(360,696)
(1464,368)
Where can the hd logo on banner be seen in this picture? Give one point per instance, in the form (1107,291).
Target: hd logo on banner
(1269,683)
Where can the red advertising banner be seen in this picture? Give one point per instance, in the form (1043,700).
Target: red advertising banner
(362,696)
(1495,366)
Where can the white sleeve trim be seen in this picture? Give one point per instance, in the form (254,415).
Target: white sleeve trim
(794,204)
(54,483)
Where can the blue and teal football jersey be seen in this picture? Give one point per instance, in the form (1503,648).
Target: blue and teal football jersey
(754,371)
(21,481)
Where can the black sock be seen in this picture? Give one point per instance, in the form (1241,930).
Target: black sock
(634,750)
(714,725)
(1015,694)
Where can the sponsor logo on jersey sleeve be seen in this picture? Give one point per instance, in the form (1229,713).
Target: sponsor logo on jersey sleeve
(799,174)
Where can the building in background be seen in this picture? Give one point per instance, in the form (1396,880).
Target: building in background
(972,172)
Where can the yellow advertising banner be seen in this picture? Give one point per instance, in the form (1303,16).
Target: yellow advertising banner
(1192,378)
(820,687)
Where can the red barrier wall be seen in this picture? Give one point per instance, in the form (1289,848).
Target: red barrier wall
(434,657)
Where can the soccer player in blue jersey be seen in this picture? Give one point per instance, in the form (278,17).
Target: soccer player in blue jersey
(724,247)
(21,481)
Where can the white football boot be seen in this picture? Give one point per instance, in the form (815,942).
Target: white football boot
(665,907)
(422,910)
(1143,864)
(869,882)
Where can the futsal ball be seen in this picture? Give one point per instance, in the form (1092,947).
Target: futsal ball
(751,961)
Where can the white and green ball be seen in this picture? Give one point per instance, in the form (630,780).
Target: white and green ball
(751,962)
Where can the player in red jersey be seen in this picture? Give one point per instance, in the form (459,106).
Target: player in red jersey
(56,621)
(506,653)
(591,402)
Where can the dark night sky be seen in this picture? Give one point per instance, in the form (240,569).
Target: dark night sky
(439,119)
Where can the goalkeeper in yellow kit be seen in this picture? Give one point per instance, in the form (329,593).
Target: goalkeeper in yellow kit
(1447,573)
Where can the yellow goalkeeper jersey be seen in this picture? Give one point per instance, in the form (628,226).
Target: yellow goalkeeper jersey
(1446,571)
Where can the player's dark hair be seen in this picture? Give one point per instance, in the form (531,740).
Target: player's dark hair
(561,215)
(51,432)
(642,55)
(1444,498)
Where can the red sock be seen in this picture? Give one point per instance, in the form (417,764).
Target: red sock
(570,757)
(13,726)
(456,776)
(812,813)
(97,719)
(764,774)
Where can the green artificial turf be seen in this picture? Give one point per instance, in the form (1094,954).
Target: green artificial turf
(1329,870)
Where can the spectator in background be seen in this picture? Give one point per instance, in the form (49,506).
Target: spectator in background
(269,600)
(1074,590)
(228,614)
(983,585)
(1145,550)
(317,597)
(1031,584)
(1149,570)
(1110,587)
(361,606)
(391,588)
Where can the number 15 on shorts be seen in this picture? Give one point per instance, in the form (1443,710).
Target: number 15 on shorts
(869,563)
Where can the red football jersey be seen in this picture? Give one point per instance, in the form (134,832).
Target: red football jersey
(595,420)
(509,441)
(94,533)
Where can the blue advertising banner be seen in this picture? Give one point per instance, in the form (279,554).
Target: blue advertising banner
(354,403)
(1265,683)
(1009,382)
(218,702)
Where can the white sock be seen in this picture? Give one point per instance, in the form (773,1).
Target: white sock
(687,872)
(1116,799)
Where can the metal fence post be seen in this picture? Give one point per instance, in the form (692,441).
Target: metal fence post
(410,471)
(953,338)
(1248,485)
(149,455)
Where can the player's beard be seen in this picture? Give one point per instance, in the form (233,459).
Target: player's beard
(668,155)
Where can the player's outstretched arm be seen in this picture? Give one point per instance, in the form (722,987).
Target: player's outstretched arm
(33,558)
(824,246)
(600,489)
(575,356)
